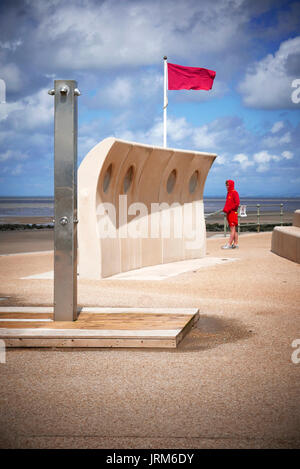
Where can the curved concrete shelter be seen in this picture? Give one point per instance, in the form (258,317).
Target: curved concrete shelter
(115,232)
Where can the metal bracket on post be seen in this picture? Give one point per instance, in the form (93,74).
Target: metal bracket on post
(65,199)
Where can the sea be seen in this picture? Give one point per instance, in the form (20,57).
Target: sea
(11,207)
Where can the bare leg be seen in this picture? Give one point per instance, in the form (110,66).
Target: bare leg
(232,235)
(236,237)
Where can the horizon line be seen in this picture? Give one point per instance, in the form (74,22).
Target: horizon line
(204,197)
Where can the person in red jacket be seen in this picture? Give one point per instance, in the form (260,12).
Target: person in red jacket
(231,209)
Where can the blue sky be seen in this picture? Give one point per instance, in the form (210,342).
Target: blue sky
(115,49)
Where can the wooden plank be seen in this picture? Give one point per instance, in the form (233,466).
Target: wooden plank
(15,316)
(106,310)
(26,309)
(97,310)
(187,328)
(93,329)
(89,333)
(12,320)
(96,343)
(107,321)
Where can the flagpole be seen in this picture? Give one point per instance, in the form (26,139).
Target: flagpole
(165,100)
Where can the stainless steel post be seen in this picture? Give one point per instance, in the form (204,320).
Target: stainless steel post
(281,214)
(65,198)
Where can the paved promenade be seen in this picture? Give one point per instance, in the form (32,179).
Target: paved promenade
(230,384)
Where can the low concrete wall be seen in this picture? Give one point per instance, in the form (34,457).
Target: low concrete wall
(286,240)
(296,218)
(113,179)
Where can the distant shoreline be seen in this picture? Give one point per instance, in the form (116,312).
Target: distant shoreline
(222,196)
(25,223)
(209,227)
(40,210)
(213,223)
(268,219)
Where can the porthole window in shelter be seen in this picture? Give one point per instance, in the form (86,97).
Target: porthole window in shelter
(171,181)
(107,178)
(128,179)
(193,182)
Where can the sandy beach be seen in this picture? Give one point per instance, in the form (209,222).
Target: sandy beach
(12,242)
(230,384)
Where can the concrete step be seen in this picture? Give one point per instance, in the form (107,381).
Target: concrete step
(286,242)
(296,218)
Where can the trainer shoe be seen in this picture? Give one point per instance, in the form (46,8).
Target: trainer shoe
(226,246)
(235,246)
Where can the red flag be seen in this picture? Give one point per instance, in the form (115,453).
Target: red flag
(189,78)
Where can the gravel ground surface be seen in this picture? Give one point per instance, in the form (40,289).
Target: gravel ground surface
(26,241)
(18,241)
(230,384)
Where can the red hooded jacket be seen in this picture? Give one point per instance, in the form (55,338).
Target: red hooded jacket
(232,199)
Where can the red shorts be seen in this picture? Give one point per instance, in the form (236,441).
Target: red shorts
(232,218)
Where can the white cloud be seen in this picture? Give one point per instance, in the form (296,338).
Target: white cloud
(154,134)
(31,112)
(179,129)
(276,140)
(221,160)
(12,76)
(118,93)
(180,133)
(277,126)
(85,144)
(128,91)
(263,158)
(151,136)
(205,138)
(11,45)
(267,83)
(220,134)
(115,33)
(3,111)
(12,171)
(149,84)
(17,170)
(288,155)
(296,181)
(13,155)
(243,160)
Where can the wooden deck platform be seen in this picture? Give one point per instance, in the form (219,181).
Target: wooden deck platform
(96,327)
